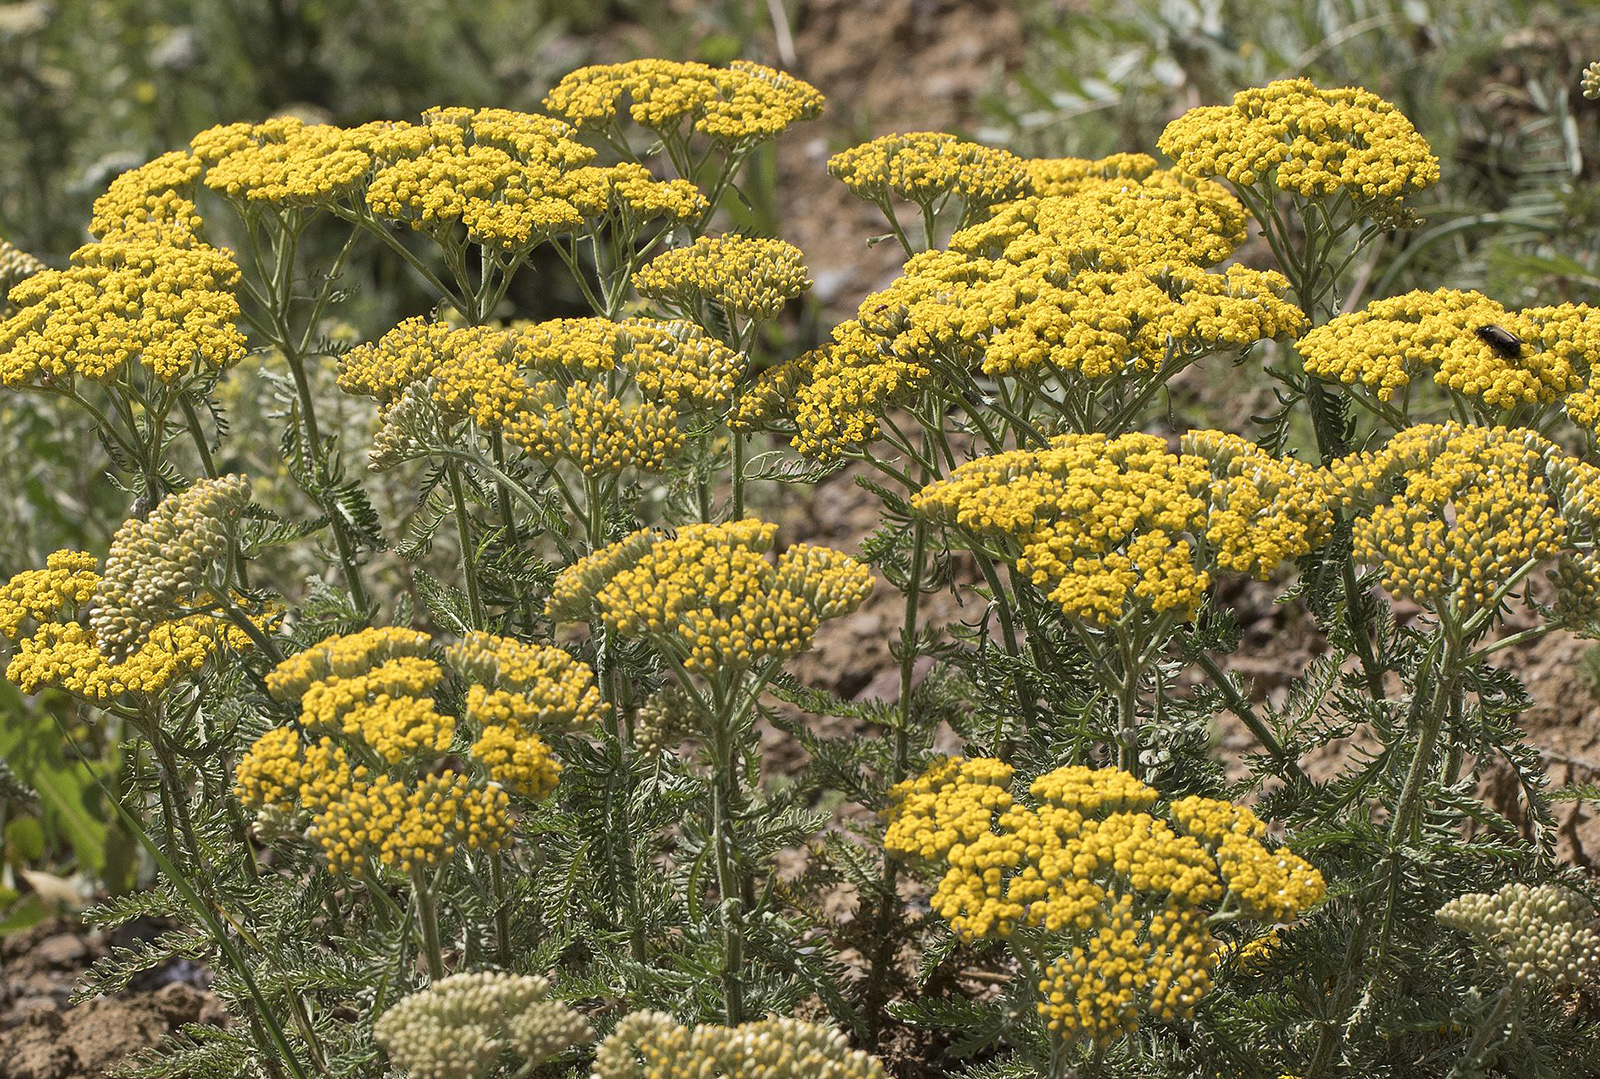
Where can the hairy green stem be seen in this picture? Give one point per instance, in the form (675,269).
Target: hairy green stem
(729,888)
(1247,715)
(428,916)
(1409,805)
(469,562)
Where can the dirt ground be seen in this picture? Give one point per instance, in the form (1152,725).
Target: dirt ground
(42,1037)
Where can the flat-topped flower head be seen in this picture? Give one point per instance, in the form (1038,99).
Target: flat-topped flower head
(709,594)
(1264,510)
(162,563)
(1104,525)
(167,309)
(928,168)
(151,204)
(1120,891)
(552,388)
(467,372)
(841,389)
(1498,362)
(739,105)
(465,1025)
(1108,324)
(1112,224)
(1544,933)
(746,277)
(652,1045)
(387,775)
(1313,143)
(677,364)
(42,612)
(16,265)
(1052,176)
(343,655)
(1451,513)
(629,196)
(287,162)
(502,176)
(525,687)
(599,434)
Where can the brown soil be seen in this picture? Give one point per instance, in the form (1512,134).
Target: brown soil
(885,66)
(42,1037)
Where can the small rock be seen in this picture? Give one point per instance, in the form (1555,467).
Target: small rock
(64,951)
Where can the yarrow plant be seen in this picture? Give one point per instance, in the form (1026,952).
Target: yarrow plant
(528,777)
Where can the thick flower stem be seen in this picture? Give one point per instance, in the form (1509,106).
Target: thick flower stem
(729,889)
(342,539)
(502,911)
(1409,805)
(469,561)
(428,917)
(1128,705)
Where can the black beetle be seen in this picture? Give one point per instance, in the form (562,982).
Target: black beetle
(1506,344)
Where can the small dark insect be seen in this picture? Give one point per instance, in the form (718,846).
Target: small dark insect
(1506,344)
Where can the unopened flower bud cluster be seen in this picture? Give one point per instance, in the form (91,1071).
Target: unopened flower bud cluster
(1542,932)
(165,562)
(465,1025)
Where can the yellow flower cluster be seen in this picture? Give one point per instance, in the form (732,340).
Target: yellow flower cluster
(385,707)
(343,656)
(1125,892)
(741,104)
(1450,513)
(1053,176)
(841,388)
(928,167)
(1107,524)
(461,1027)
(1263,510)
(388,781)
(1131,966)
(547,385)
(1452,335)
(1102,325)
(287,162)
(1111,224)
(510,179)
(160,563)
(600,435)
(1317,144)
(1104,287)
(170,309)
(525,687)
(40,611)
(652,1045)
(499,174)
(150,205)
(678,365)
(745,277)
(709,596)
(69,579)
(16,265)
